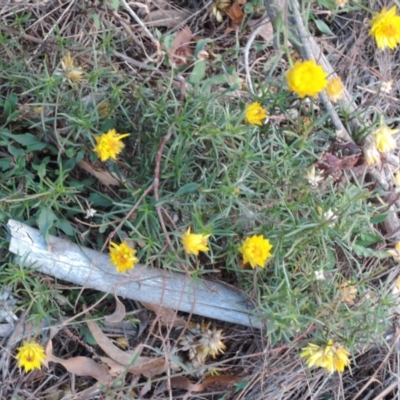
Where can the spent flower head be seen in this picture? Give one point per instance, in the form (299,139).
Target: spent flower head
(387,86)
(347,292)
(109,145)
(385,28)
(194,242)
(256,250)
(30,356)
(383,138)
(122,256)
(255,114)
(73,73)
(306,78)
(335,89)
(371,153)
(313,177)
(333,357)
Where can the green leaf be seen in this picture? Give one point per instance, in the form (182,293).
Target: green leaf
(200,45)
(65,226)
(114,5)
(188,188)
(14,151)
(379,218)
(362,251)
(45,221)
(323,27)
(367,239)
(10,104)
(31,142)
(198,72)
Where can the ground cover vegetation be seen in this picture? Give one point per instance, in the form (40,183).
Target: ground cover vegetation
(204,149)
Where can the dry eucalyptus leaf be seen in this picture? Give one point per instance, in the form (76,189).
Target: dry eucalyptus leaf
(167,316)
(146,366)
(82,366)
(181,49)
(105,177)
(212,382)
(119,313)
(123,357)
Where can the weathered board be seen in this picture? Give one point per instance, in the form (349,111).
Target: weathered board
(90,269)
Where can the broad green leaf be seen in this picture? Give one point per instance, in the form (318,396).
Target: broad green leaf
(198,72)
(45,221)
(379,218)
(323,27)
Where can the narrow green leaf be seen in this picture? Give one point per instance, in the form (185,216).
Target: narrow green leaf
(188,188)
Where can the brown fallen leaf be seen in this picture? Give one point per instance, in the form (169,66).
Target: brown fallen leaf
(212,382)
(119,313)
(236,14)
(166,315)
(82,366)
(181,49)
(105,177)
(147,366)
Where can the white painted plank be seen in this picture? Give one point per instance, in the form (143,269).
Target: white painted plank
(91,269)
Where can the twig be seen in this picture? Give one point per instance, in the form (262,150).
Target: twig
(157,167)
(149,34)
(308,53)
(372,379)
(246,54)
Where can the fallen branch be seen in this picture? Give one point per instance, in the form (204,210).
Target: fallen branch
(85,267)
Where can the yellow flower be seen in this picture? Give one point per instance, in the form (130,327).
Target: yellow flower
(395,253)
(255,114)
(122,256)
(385,28)
(333,357)
(109,145)
(306,78)
(335,89)
(256,250)
(30,356)
(194,243)
(72,73)
(384,140)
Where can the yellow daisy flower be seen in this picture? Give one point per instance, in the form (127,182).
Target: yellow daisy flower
(256,250)
(333,357)
(384,140)
(194,243)
(109,145)
(385,28)
(306,78)
(122,256)
(255,114)
(335,89)
(30,356)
